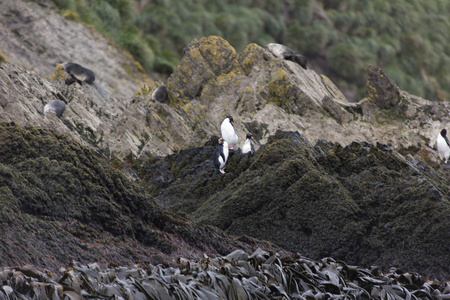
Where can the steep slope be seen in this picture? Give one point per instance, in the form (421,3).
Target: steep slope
(60,201)
(363,203)
(35,37)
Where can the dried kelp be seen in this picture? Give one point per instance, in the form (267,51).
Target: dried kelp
(261,275)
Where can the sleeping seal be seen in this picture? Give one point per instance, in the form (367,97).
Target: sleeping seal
(160,93)
(284,52)
(78,73)
(56,106)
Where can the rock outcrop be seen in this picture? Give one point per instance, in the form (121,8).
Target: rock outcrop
(364,204)
(262,92)
(61,201)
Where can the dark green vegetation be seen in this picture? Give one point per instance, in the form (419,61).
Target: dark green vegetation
(364,204)
(406,38)
(237,276)
(60,201)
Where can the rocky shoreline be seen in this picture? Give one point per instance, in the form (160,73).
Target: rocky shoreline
(236,276)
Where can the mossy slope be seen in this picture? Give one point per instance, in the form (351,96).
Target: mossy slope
(60,201)
(362,203)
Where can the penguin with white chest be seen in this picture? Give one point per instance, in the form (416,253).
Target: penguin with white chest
(229,133)
(443,145)
(248,149)
(221,155)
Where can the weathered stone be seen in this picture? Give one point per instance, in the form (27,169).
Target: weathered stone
(381,89)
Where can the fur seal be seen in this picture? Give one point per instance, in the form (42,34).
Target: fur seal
(229,133)
(78,73)
(221,155)
(248,146)
(284,52)
(160,93)
(56,106)
(443,145)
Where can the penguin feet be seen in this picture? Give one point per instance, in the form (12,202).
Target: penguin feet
(222,171)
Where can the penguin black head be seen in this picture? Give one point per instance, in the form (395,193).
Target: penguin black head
(220,141)
(231,119)
(249,135)
(444,132)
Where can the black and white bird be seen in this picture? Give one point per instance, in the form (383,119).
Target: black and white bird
(221,155)
(248,146)
(443,145)
(229,133)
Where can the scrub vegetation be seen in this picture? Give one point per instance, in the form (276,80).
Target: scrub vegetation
(407,39)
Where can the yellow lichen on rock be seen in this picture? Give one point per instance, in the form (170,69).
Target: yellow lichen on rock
(3,58)
(70,15)
(144,90)
(204,60)
(59,73)
(250,57)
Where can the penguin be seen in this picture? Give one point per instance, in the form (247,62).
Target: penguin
(248,146)
(443,145)
(56,106)
(159,94)
(78,73)
(221,155)
(229,133)
(284,52)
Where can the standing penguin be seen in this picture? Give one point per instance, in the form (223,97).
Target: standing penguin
(221,155)
(443,145)
(229,133)
(248,146)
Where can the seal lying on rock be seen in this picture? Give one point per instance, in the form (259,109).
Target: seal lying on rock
(284,52)
(78,73)
(56,106)
(160,93)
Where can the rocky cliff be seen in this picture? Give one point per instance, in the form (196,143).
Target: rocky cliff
(262,92)
(371,190)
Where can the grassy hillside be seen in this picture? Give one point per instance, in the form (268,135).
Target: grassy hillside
(406,38)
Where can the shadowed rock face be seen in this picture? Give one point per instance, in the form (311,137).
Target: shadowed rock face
(362,203)
(60,201)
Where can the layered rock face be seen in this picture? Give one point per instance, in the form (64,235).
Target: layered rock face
(263,93)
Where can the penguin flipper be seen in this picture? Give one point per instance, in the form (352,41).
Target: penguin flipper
(447,141)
